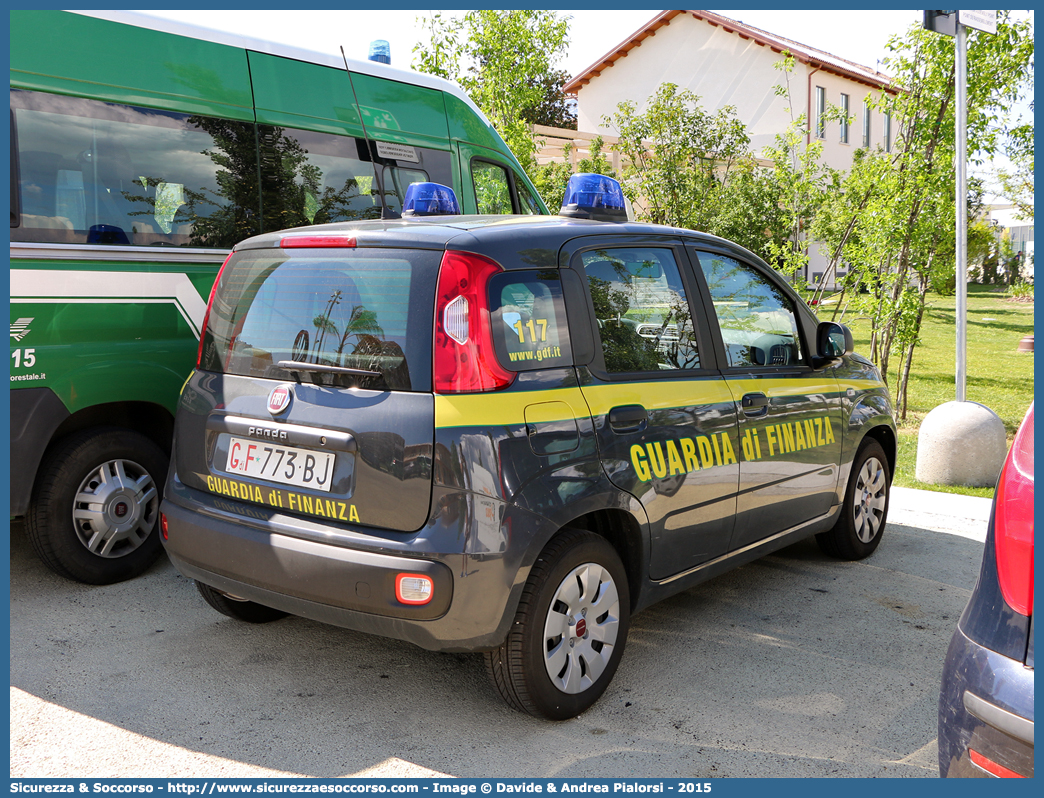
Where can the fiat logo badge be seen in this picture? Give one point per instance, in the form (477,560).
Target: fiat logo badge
(279,399)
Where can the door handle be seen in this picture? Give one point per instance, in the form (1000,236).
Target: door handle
(754,404)
(628,418)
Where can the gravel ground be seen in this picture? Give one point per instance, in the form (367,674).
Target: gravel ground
(795,666)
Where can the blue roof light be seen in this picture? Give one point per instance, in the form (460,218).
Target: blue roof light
(430,199)
(591,196)
(380,51)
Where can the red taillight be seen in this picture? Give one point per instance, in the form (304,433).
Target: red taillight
(210,304)
(464,360)
(163,525)
(990,766)
(1013,522)
(294,242)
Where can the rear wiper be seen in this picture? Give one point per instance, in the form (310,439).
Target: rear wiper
(296,366)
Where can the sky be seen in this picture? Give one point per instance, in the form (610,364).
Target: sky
(592,33)
(859,36)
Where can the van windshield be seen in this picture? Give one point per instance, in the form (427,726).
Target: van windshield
(367,310)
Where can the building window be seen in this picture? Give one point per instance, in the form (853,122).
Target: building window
(820,112)
(888,132)
(844,119)
(866,122)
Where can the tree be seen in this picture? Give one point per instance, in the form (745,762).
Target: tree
(751,211)
(891,218)
(690,167)
(1017,183)
(505,61)
(678,156)
(555,108)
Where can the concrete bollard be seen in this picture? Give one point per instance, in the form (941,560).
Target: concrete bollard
(961,443)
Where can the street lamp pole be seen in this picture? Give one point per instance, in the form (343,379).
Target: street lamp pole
(953,429)
(961,68)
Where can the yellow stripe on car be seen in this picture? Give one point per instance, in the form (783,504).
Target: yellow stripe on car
(500,409)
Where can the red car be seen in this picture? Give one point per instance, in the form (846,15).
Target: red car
(986,702)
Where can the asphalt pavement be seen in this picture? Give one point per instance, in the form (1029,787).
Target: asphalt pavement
(795,665)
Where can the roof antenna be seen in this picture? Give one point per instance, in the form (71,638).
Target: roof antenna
(378,173)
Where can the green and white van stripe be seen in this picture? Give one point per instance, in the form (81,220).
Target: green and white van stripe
(120,287)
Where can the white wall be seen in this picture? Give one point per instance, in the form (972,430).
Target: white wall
(720,67)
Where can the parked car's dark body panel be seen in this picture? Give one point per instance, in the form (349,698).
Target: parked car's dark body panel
(986,702)
(988,620)
(986,658)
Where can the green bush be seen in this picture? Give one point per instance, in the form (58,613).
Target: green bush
(1021,290)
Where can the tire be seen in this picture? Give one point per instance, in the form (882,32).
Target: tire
(94,513)
(578,579)
(240,609)
(861,521)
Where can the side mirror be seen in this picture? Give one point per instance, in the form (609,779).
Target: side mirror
(832,341)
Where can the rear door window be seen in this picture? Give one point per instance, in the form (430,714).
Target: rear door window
(640,303)
(367,309)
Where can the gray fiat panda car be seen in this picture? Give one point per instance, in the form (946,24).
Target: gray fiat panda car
(507,436)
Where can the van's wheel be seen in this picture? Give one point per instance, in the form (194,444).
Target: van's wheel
(240,609)
(94,513)
(569,631)
(861,519)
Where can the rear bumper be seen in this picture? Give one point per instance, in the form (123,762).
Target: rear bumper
(985,705)
(343,579)
(252,556)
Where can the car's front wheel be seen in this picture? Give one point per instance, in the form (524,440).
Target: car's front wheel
(94,515)
(861,522)
(569,631)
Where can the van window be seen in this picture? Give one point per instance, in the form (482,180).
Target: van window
(526,201)
(316,178)
(92,172)
(15,212)
(492,188)
(359,309)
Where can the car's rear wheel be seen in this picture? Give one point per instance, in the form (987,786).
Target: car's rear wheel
(94,513)
(569,631)
(240,609)
(861,522)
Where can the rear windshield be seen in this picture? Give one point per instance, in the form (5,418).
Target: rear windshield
(368,310)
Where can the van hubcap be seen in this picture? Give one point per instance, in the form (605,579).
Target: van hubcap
(116,508)
(581,628)
(871,496)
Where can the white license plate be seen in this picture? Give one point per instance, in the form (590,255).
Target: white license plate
(287,465)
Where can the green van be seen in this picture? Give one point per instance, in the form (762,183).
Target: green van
(135,168)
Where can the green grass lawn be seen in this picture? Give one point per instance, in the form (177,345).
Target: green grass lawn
(998,376)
